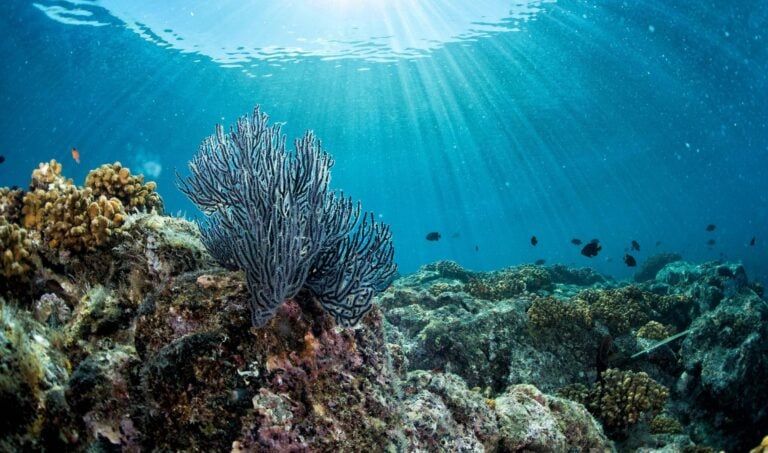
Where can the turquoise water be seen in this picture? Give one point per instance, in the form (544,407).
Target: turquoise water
(488,123)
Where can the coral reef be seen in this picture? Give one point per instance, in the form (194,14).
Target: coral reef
(159,357)
(56,223)
(155,350)
(62,219)
(557,338)
(116,181)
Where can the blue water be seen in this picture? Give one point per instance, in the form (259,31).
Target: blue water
(613,120)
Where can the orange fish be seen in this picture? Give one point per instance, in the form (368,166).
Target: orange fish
(76,155)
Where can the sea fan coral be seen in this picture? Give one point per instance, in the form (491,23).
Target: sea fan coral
(271,214)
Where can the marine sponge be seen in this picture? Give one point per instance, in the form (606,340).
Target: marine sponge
(114,180)
(72,219)
(16,256)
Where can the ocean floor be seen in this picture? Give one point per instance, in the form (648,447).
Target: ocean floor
(119,332)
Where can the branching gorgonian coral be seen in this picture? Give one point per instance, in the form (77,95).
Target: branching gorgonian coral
(270,213)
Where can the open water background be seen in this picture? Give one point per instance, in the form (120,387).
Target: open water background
(614,120)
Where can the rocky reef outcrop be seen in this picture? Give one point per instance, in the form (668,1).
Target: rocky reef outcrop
(143,343)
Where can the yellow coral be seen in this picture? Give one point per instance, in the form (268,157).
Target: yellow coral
(509,282)
(116,181)
(15,260)
(619,309)
(10,204)
(46,175)
(439,288)
(664,424)
(575,392)
(624,397)
(762,448)
(653,330)
(548,312)
(71,218)
(66,217)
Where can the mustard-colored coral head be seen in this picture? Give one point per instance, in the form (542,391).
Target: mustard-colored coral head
(114,180)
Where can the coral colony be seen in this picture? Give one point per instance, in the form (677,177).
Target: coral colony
(125,329)
(271,214)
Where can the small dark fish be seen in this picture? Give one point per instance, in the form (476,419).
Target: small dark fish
(630,260)
(433,236)
(711,242)
(591,249)
(2,158)
(658,243)
(753,241)
(576,241)
(635,246)
(711,227)
(540,261)
(477,248)
(534,241)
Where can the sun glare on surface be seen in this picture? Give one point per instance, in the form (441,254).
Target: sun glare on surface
(233,32)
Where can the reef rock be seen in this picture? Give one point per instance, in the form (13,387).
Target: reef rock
(654,264)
